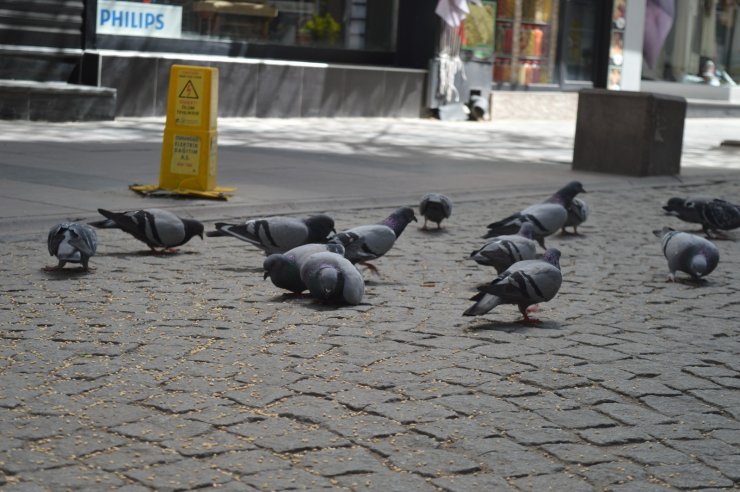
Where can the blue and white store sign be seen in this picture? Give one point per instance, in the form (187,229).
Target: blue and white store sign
(139,19)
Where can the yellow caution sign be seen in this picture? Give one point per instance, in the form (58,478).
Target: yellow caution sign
(190,146)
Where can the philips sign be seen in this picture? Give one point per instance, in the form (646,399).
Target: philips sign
(139,19)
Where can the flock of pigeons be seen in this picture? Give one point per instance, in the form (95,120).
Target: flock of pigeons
(302,254)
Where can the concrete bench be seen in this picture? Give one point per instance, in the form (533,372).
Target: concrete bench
(630,133)
(55,101)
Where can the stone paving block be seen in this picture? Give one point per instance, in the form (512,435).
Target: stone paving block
(553,482)
(546,400)
(433,462)
(725,399)
(690,476)
(639,387)
(74,478)
(385,481)
(614,472)
(590,395)
(248,462)
(475,481)
(286,435)
(653,453)
(706,447)
(677,405)
(457,429)
(308,408)
(709,421)
(14,461)
(633,414)
(533,436)
(360,397)
(132,456)
(208,444)
(258,397)
(640,486)
(288,479)
(341,461)
(411,411)
(162,427)
(364,426)
(580,454)
(553,380)
(729,465)
(612,436)
(474,403)
(181,475)
(577,418)
(222,415)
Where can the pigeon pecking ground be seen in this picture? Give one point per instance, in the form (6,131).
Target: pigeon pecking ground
(191,370)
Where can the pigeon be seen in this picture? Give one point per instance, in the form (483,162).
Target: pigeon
(278,234)
(435,207)
(284,269)
(687,253)
(503,251)
(333,278)
(713,214)
(369,242)
(578,212)
(524,283)
(156,227)
(547,217)
(72,243)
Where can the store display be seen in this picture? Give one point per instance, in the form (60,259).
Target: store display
(525,37)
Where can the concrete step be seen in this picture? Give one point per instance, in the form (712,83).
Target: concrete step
(708,108)
(55,101)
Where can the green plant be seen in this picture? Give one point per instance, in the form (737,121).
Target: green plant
(323,27)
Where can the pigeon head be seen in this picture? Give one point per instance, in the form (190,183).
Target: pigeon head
(328,280)
(399,219)
(319,227)
(674,204)
(274,263)
(192,228)
(552,256)
(337,248)
(526,230)
(662,232)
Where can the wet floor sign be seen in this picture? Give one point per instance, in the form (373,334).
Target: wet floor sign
(190,146)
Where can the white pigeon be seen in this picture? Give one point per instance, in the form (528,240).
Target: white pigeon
(278,234)
(524,283)
(578,212)
(332,278)
(503,251)
(687,253)
(435,207)
(284,269)
(71,243)
(156,227)
(547,217)
(369,242)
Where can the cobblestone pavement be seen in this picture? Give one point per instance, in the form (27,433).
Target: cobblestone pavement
(191,372)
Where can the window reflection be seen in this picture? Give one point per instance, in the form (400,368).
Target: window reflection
(340,24)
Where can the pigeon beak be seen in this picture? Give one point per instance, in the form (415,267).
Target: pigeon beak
(201,235)
(267,274)
(414,218)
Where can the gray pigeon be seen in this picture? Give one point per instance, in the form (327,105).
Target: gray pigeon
(72,243)
(278,234)
(332,278)
(687,253)
(156,227)
(369,242)
(578,213)
(435,207)
(713,214)
(503,251)
(524,283)
(547,217)
(284,269)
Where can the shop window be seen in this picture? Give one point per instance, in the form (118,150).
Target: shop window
(334,24)
(691,41)
(525,42)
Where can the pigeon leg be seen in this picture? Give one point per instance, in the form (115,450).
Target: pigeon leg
(424,227)
(439,225)
(55,268)
(527,320)
(370,267)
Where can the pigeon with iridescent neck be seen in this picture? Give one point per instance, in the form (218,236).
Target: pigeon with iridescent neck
(503,251)
(332,278)
(687,253)
(547,217)
(524,283)
(369,242)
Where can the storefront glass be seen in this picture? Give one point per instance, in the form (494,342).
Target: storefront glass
(691,41)
(525,42)
(334,24)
